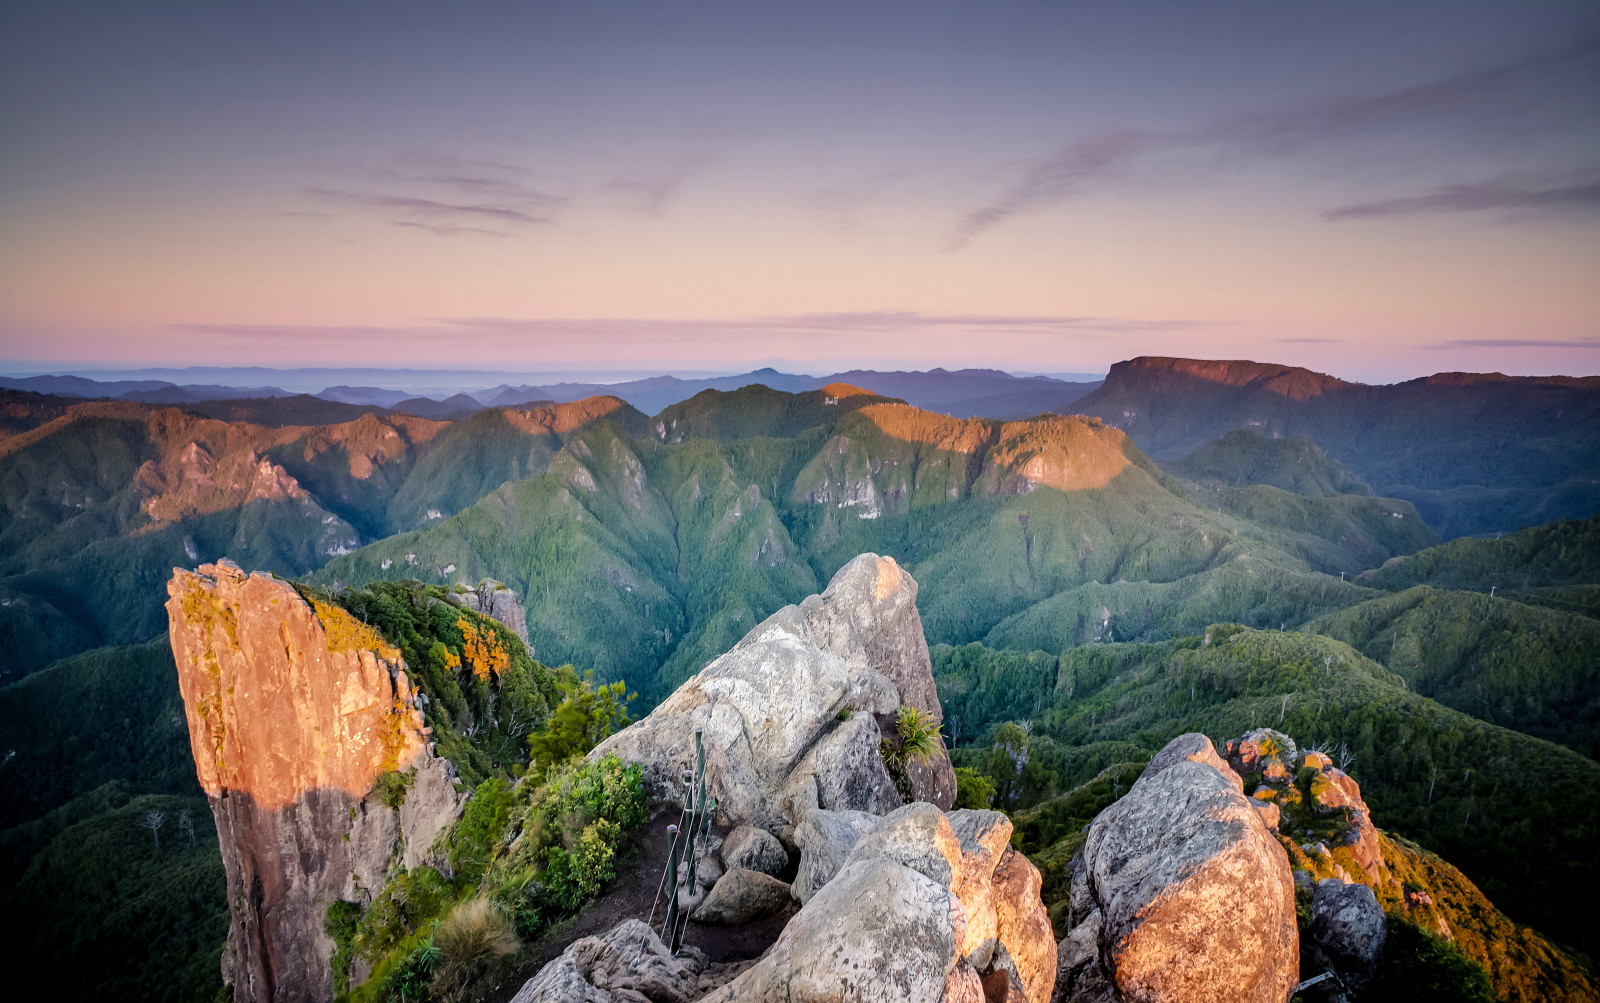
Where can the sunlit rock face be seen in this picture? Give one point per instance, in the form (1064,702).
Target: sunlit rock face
(792,715)
(294,711)
(1184,896)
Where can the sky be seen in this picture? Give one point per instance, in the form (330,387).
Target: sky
(1373,190)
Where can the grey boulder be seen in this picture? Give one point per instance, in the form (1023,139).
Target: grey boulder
(1348,930)
(806,681)
(741,896)
(754,850)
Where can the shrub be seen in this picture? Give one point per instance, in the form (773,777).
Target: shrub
(390,788)
(1421,968)
(916,740)
(583,718)
(483,823)
(472,938)
(973,789)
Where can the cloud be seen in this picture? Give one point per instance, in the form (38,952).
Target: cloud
(451,231)
(840,209)
(648,192)
(1308,341)
(444,195)
(843,328)
(1550,91)
(1568,194)
(1588,342)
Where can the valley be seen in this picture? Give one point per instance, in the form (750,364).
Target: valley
(1206,547)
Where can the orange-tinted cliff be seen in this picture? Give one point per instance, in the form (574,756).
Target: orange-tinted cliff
(294,711)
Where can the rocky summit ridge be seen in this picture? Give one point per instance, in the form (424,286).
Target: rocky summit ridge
(1222,874)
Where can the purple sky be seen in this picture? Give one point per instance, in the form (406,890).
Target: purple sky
(1373,190)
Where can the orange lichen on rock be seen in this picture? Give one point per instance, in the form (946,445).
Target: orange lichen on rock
(278,703)
(1068,453)
(960,435)
(346,633)
(483,649)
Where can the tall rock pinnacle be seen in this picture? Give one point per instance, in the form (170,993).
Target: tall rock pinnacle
(295,709)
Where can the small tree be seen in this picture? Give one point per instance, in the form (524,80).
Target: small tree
(186,825)
(580,722)
(153,820)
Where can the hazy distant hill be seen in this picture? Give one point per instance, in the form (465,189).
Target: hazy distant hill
(1476,453)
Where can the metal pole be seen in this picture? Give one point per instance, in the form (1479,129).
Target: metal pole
(671,922)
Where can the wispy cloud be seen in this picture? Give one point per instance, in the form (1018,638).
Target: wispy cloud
(444,195)
(1307,341)
(648,191)
(840,209)
(1549,91)
(1588,342)
(843,326)
(1568,194)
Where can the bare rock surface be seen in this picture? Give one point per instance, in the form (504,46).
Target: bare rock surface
(825,839)
(807,678)
(495,600)
(754,849)
(879,932)
(626,963)
(293,713)
(1348,930)
(740,896)
(1194,748)
(1192,894)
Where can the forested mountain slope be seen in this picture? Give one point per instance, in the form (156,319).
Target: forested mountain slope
(1477,453)
(98,504)
(1512,811)
(643,556)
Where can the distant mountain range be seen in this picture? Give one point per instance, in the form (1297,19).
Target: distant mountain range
(967,393)
(1475,452)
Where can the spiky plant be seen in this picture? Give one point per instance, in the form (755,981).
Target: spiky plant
(918,735)
(473,937)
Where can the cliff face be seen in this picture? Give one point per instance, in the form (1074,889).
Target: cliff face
(294,712)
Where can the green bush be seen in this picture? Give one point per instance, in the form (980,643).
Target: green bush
(390,788)
(973,789)
(585,716)
(1421,968)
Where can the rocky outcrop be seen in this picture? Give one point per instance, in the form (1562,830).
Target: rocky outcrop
(1348,931)
(627,964)
(825,839)
(926,906)
(788,714)
(1184,893)
(496,601)
(294,711)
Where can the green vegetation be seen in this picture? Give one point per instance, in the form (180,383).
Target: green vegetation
(1520,666)
(916,739)
(585,716)
(1244,457)
(1504,807)
(520,859)
(485,693)
(1566,552)
(1420,967)
(973,789)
